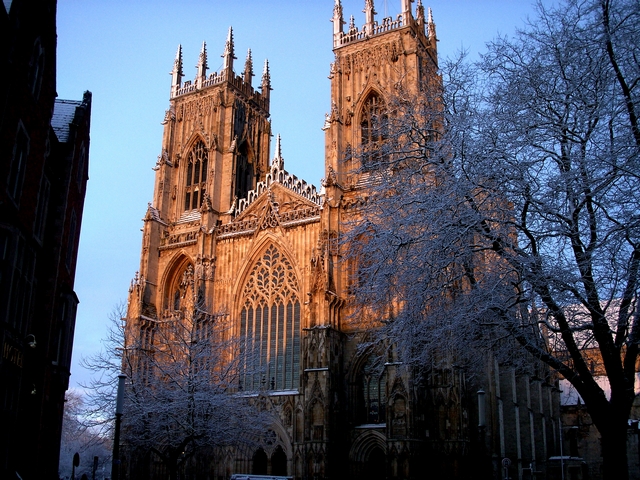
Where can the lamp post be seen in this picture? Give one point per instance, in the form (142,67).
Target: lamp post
(482,428)
(115,462)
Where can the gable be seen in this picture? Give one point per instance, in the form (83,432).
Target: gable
(275,207)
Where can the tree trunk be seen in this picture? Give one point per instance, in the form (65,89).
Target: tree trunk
(173,470)
(614,451)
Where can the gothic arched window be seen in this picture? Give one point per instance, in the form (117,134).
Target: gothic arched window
(270,324)
(179,289)
(196,177)
(244,172)
(374,389)
(373,128)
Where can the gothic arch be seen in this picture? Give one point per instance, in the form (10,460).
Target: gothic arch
(372,130)
(365,444)
(194,138)
(194,173)
(268,319)
(171,278)
(282,440)
(364,98)
(368,380)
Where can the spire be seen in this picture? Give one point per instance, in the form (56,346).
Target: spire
(229,54)
(338,22)
(431,29)
(202,65)
(352,23)
(369,16)
(278,161)
(420,14)
(248,68)
(176,73)
(406,11)
(266,79)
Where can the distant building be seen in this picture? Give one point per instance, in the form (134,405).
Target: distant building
(44,146)
(260,246)
(581,439)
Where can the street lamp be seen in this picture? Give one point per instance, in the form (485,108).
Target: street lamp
(115,462)
(482,429)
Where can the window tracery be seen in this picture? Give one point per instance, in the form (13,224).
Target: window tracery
(374,389)
(180,288)
(270,324)
(373,125)
(196,176)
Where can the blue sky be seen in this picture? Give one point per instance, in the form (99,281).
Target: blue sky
(123,50)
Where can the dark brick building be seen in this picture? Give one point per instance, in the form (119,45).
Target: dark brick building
(44,145)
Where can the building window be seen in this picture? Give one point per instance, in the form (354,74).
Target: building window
(18,164)
(21,278)
(244,172)
(42,209)
(373,129)
(374,384)
(179,292)
(270,325)
(196,177)
(36,68)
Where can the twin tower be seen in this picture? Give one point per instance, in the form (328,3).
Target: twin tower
(258,247)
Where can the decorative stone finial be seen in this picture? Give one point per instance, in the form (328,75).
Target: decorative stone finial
(248,68)
(420,13)
(176,73)
(338,22)
(202,65)
(278,161)
(229,54)
(369,16)
(406,11)
(266,79)
(431,28)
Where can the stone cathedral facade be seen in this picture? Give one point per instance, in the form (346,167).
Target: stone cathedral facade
(261,247)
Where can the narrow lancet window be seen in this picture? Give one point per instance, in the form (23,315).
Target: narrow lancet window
(373,130)
(196,176)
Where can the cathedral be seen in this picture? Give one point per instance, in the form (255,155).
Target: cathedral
(261,247)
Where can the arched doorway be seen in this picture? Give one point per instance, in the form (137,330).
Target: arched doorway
(375,466)
(260,461)
(279,463)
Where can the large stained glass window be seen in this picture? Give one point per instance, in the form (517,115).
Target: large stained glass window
(270,325)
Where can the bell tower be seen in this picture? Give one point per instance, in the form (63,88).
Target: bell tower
(215,145)
(370,63)
(215,149)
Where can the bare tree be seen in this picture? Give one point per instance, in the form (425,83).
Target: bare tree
(181,395)
(77,438)
(512,211)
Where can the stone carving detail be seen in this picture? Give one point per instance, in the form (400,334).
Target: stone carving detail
(178,239)
(376,56)
(194,108)
(205,267)
(248,226)
(163,159)
(169,115)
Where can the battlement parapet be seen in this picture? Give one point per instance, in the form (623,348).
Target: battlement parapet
(354,35)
